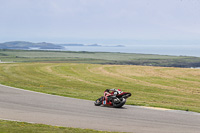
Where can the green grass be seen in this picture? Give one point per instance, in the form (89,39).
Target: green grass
(98,58)
(23,127)
(174,88)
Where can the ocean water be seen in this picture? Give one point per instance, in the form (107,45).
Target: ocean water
(178,50)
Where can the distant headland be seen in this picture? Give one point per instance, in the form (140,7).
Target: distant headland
(43,45)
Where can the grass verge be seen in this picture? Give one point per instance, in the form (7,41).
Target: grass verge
(24,127)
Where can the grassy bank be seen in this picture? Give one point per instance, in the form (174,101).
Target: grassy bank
(98,58)
(175,88)
(23,127)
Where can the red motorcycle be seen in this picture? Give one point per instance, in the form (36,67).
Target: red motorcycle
(113,97)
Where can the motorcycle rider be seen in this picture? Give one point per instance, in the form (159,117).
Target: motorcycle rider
(111,92)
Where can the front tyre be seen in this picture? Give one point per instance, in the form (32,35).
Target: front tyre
(119,104)
(98,102)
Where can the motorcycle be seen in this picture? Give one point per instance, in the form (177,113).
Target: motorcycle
(115,98)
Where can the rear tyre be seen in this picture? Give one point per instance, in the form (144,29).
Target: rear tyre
(98,102)
(120,104)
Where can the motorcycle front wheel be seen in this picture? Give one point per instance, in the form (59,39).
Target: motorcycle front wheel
(98,102)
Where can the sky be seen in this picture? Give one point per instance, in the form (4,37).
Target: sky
(101,21)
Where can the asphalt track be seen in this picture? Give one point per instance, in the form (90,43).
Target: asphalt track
(27,106)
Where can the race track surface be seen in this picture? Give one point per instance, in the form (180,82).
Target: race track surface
(27,106)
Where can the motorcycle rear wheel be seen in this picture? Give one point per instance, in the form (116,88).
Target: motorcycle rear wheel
(120,104)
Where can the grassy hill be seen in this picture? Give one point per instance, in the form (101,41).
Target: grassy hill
(175,88)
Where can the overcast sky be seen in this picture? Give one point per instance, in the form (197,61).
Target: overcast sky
(100,21)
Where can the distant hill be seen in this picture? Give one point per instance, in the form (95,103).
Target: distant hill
(28,45)
(43,45)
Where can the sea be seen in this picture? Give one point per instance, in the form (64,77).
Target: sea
(177,50)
